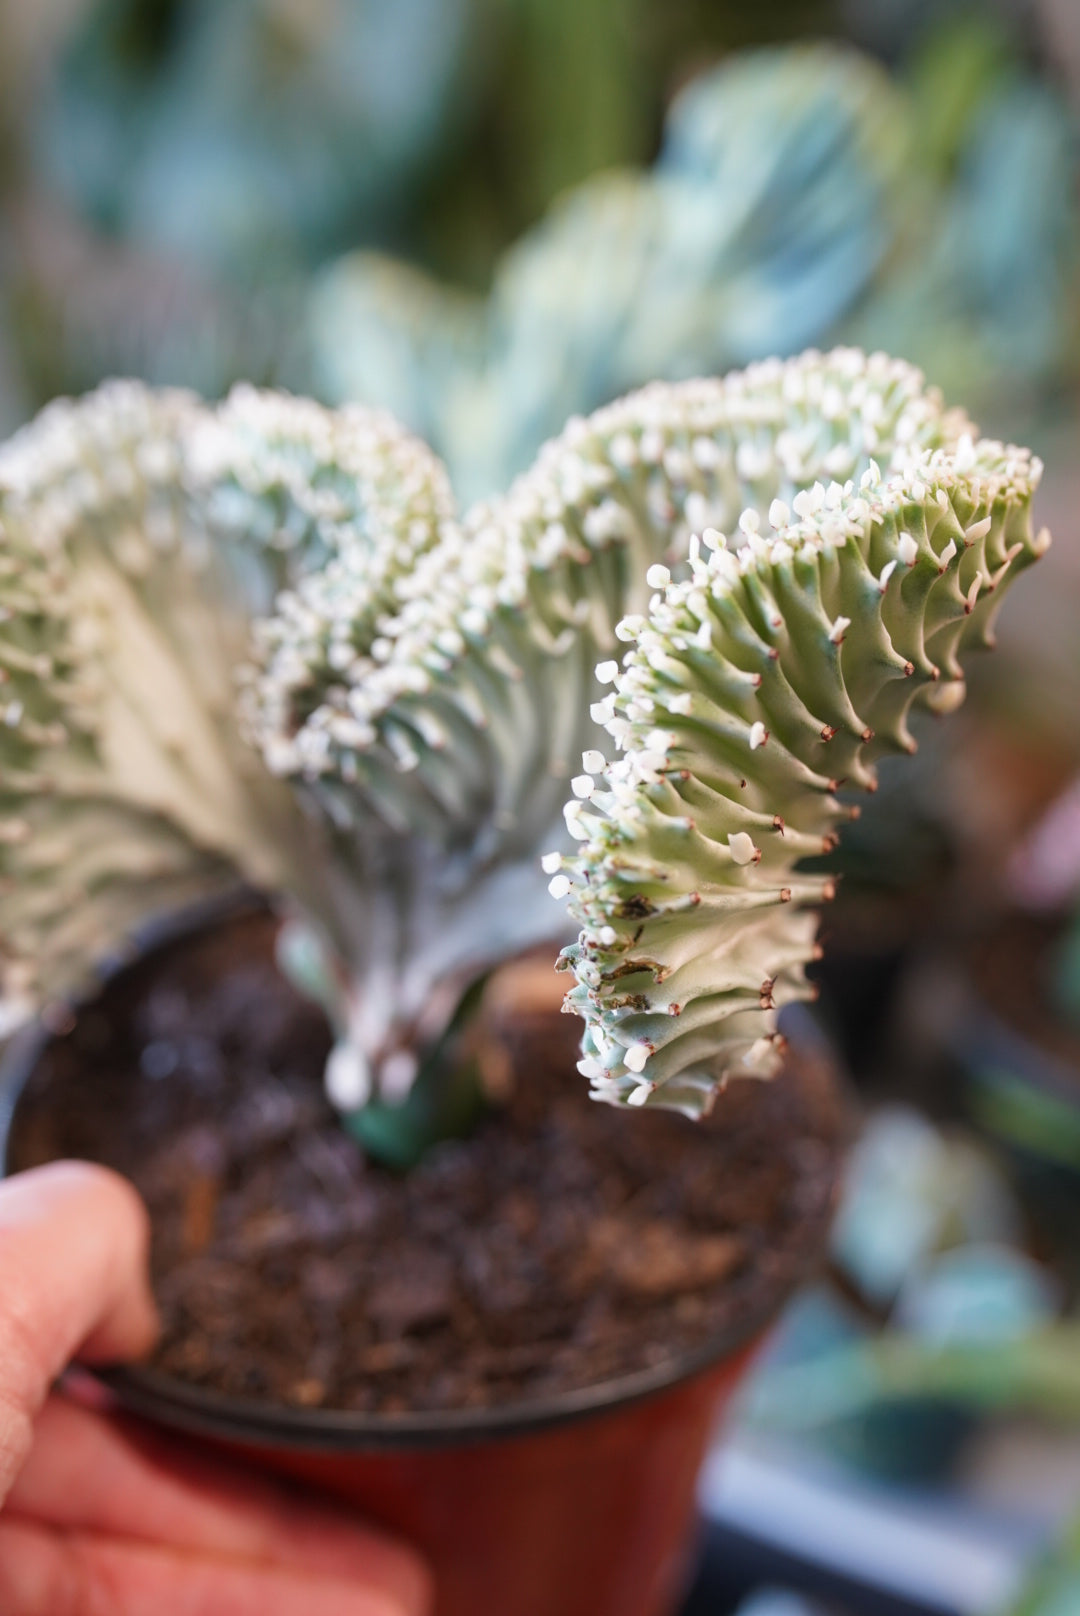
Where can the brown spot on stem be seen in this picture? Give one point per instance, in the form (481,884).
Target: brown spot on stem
(634,967)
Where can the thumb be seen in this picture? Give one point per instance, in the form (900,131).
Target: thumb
(73,1281)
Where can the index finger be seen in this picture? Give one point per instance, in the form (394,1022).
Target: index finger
(73,1281)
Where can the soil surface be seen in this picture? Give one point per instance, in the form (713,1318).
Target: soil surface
(563,1244)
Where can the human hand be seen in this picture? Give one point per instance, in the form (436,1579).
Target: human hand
(99,1516)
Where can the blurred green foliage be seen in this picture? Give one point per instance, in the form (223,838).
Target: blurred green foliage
(1054,1587)
(175,170)
(776,197)
(798,197)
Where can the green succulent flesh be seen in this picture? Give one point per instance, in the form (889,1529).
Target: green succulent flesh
(464,719)
(140,535)
(754,691)
(258,639)
(470,709)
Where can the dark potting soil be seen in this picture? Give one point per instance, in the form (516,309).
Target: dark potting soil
(563,1244)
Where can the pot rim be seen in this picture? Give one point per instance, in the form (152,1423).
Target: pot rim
(168,1401)
(164,1398)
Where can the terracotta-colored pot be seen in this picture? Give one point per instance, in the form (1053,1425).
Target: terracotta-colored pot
(580,1505)
(571,1512)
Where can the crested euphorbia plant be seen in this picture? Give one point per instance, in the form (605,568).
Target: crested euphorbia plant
(256,640)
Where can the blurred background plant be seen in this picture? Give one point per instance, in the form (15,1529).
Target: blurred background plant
(176,171)
(798,196)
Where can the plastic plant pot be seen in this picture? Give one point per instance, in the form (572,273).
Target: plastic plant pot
(579,1505)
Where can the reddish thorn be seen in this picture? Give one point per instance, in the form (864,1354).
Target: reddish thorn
(867,735)
(785,894)
(828,732)
(909,669)
(778,824)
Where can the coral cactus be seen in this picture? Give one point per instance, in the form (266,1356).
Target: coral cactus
(179,581)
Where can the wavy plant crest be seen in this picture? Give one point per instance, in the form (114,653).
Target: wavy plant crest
(460,722)
(755,690)
(139,533)
(259,638)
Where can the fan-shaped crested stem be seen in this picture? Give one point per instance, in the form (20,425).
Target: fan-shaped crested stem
(176,579)
(460,723)
(754,691)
